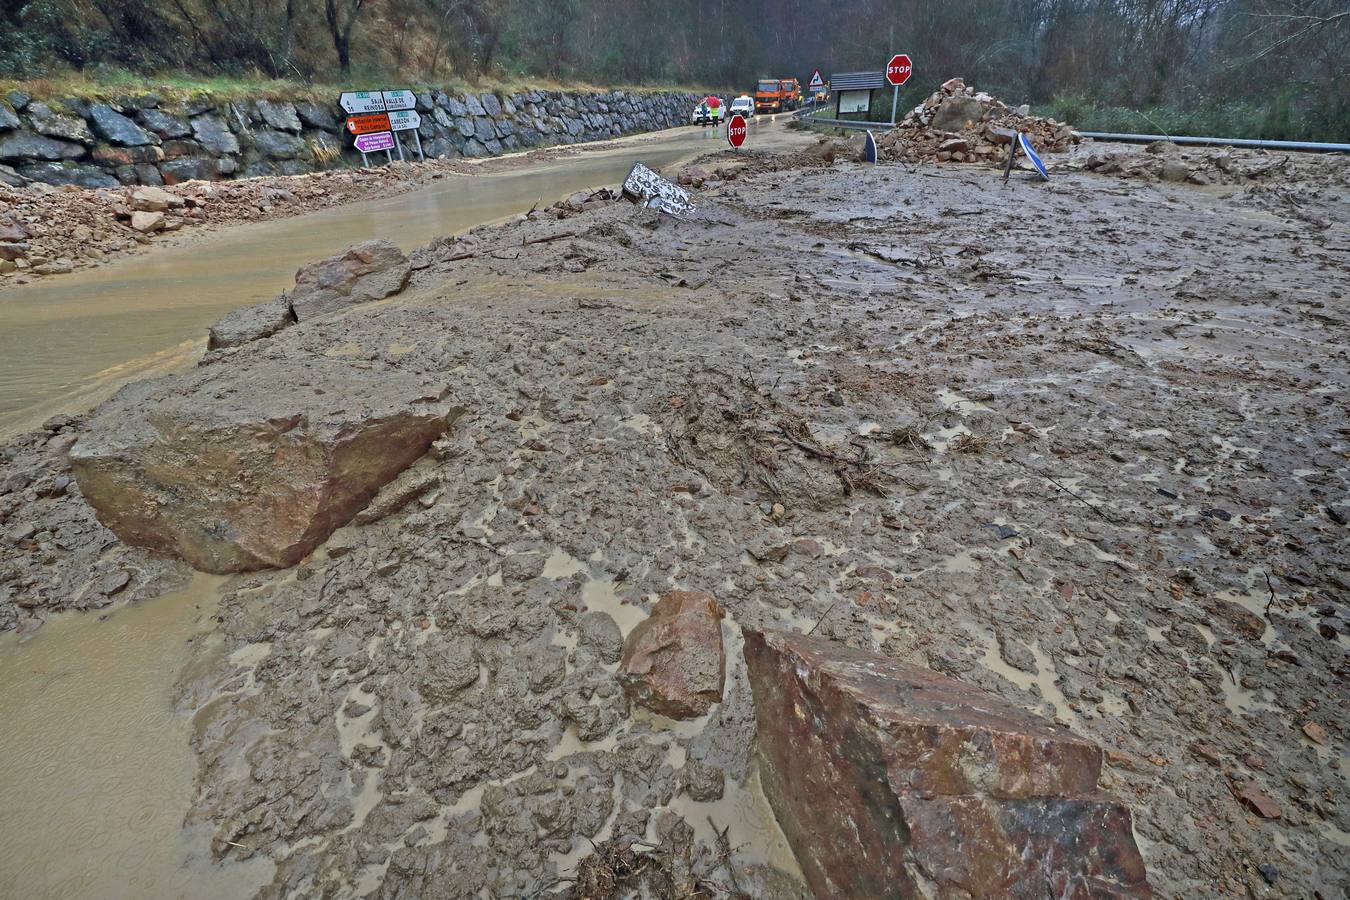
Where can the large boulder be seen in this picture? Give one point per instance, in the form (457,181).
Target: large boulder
(57,125)
(251,323)
(278,144)
(316,115)
(957,112)
(368,271)
(236,468)
(279,114)
(672,661)
(59,173)
(165,124)
(116,128)
(213,134)
(891,780)
(26,145)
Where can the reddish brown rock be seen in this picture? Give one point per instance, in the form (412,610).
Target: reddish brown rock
(235,468)
(672,661)
(1237,618)
(894,781)
(1258,802)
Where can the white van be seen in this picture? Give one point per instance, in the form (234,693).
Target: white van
(743,105)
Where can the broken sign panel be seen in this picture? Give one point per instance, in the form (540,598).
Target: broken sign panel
(652,190)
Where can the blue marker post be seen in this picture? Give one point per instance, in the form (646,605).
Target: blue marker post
(1020,141)
(870,148)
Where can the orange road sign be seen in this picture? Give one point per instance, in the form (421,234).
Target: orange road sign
(368,124)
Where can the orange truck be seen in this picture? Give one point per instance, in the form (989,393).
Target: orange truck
(777,94)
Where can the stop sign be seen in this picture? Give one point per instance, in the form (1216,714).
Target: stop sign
(899,69)
(737,129)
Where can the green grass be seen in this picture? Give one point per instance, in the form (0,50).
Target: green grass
(1292,116)
(110,82)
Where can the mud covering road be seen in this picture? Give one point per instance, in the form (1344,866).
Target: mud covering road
(1083,444)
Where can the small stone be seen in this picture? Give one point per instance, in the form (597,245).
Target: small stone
(1316,733)
(1269,873)
(154,199)
(147,222)
(20,533)
(808,548)
(1208,752)
(1262,804)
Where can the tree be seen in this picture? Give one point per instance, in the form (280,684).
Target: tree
(341,16)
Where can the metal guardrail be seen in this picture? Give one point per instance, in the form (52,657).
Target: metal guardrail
(1305,146)
(846,123)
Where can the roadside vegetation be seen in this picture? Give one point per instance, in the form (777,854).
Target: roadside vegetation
(1256,68)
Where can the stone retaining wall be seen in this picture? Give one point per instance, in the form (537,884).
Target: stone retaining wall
(149,140)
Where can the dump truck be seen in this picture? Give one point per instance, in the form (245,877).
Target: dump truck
(775,94)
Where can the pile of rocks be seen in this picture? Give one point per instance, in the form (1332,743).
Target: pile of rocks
(1165,161)
(152,139)
(46,230)
(959,124)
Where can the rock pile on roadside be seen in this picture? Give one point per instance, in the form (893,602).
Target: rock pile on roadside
(50,231)
(960,124)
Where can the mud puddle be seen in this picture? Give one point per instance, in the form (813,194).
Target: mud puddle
(98,770)
(67,344)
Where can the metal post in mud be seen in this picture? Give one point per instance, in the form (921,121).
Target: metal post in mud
(365,161)
(895,103)
(420,155)
(389,156)
(399,144)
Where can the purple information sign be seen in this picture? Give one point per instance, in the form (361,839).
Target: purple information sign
(370,143)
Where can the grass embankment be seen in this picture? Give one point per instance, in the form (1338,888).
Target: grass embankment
(1283,119)
(178,86)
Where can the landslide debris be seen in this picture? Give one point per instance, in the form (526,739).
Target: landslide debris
(894,780)
(238,468)
(54,553)
(1148,545)
(959,124)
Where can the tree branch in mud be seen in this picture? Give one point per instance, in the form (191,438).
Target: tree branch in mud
(1050,478)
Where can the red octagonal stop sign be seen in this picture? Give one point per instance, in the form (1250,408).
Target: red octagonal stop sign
(899,69)
(737,129)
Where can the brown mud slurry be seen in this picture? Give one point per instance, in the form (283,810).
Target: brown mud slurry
(68,341)
(1048,439)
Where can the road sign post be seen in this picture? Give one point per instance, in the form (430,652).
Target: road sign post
(898,71)
(737,131)
(371,143)
(355,103)
(370,123)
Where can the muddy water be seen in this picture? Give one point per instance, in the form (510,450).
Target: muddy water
(69,342)
(97,768)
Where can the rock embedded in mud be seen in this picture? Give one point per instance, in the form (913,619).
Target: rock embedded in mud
(367,271)
(250,323)
(891,780)
(672,661)
(226,471)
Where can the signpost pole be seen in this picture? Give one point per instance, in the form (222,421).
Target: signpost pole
(365,160)
(398,142)
(418,138)
(389,157)
(895,103)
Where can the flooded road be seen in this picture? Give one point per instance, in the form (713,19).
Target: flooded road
(67,343)
(98,770)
